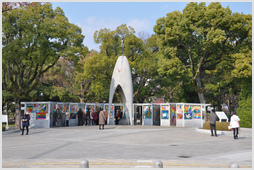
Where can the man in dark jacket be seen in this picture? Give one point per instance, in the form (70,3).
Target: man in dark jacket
(87,117)
(212,118)
(80,117)
(25,123)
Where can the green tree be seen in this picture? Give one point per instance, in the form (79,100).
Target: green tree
(244,112)
(145,77)
(34,38)
(8,6)
(98,70)
(242,74)
(99,67)
(203,39)
(110,43)
(223,82)
(67,79)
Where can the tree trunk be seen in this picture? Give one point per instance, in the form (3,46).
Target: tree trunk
(171,95)
(200,93)
(219,105)
(17,114)
(81,100)
(200,90)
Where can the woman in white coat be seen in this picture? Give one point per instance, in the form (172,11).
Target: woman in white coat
(234,124)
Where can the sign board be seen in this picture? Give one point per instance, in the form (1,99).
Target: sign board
(4,118)
(221,115)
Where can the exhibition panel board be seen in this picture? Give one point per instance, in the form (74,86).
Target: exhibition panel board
(40,113)
(165,115)
(111,115)
(161,114)
(147,114)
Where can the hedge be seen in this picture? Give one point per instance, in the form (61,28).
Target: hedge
(223,126)
(244,112)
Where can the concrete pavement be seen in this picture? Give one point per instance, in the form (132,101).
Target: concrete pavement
(125,147)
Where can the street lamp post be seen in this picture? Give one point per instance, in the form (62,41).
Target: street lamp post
(41,96)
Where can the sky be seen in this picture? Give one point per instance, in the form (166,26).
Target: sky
(142,16)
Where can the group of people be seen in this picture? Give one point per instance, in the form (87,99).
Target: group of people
(118,116)
(90,117)
(60,118)
(234,124)
(100,118)
(96,118)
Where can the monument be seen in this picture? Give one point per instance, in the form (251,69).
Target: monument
(122,77)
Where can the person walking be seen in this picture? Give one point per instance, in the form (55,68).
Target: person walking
(102,119)
(212,118)
(67,118)
(80,116)
(234,124)
(25,123)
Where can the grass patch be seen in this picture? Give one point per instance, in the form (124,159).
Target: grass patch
(223,126)
(9,125)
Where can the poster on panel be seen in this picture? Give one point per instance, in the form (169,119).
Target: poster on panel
(29,108)
(37,111)
(73,111)
(31,111)
(82,106)
(187,112)
(66,108)
(52,109)
(173,115)
(165,112)
(196,112)
(91,107)
(92,110)
(43,112)
(60,107)
(147,112)
(179,111)
(111,110)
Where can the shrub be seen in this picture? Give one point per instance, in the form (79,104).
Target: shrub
(3,128)
(244,112)
(223,126)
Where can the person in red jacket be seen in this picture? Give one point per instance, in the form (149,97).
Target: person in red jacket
(94,115)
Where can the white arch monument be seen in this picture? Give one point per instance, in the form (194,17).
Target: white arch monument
(122,77)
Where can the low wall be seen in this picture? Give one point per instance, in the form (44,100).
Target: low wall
(39,123)
(190,123)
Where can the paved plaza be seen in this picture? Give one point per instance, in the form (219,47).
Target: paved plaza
(125,147)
